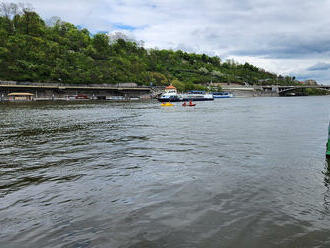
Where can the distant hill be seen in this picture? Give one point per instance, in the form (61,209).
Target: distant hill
(32,51)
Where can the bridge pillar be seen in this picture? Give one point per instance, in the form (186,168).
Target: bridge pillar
(275,89)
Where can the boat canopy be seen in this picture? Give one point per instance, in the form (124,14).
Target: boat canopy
(170,87)
(220,93)
(20,94)
(196,92)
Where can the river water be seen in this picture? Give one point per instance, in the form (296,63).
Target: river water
(240,172)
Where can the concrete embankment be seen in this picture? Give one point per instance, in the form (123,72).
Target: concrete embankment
(65,92)
(249,92)
(121,91)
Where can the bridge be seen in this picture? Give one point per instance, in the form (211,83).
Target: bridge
(61,91)
(58,91)
(282,90)
(271,90)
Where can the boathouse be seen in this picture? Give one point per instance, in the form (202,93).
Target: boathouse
(20,96)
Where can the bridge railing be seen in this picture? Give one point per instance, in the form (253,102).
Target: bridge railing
(117,85)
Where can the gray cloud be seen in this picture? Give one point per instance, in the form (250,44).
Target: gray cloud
(319,67)
(270,33)
(282,46)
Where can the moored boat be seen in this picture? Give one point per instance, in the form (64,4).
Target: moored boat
(81,97)
(197,95)
(222,95)
(167,98)
(171,95)
(20,96)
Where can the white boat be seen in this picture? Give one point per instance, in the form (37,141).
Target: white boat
(170,98)
(115,98)
(196,95)
(171,95)
(222,95)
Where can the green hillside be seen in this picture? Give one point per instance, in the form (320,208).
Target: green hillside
(32,51)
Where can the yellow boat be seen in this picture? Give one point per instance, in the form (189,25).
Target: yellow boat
(167,104)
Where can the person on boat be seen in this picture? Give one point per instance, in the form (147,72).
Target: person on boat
(184,104)
(190,102)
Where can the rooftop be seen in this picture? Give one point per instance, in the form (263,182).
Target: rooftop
(20,94)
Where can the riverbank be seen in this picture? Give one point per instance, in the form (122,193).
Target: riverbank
(131,91)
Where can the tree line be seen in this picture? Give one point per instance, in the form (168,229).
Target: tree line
(35,50)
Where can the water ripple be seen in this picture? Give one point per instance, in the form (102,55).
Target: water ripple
(236,173)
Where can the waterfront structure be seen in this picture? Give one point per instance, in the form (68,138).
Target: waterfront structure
(20,96)
(43,91)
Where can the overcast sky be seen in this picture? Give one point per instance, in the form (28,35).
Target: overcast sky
(290,37)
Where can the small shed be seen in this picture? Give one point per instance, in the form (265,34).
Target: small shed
(20,96)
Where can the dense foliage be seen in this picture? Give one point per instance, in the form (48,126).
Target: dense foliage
(32,51)
(315,92)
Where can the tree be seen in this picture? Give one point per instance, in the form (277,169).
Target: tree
(179,85)
(101,45)
(61,52)
(157,78)
(29,23)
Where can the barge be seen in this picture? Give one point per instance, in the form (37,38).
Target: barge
(171,95)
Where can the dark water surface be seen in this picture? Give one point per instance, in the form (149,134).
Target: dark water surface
(229,173)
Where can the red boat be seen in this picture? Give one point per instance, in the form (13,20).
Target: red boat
(190,104)
(81,96)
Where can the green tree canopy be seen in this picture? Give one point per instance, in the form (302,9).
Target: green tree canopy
(31,50)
